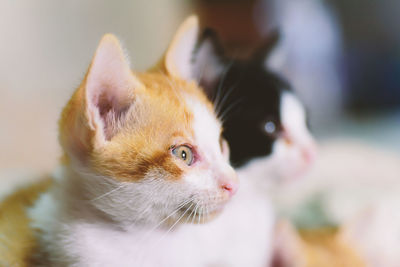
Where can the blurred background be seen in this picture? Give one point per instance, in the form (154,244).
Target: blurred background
(341,56)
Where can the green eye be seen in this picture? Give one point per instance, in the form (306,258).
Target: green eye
(184,153)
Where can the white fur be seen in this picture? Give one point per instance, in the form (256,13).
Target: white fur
(206,133)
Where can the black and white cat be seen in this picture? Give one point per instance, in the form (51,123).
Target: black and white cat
(265,124)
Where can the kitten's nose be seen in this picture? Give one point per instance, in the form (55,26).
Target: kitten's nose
(229,183)
(309,152)
(231,188)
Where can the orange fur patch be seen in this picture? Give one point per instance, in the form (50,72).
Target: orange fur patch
(17,240)
(324,247)
(316,247)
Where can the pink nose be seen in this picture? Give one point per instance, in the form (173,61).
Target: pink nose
(229,186)
(309,153)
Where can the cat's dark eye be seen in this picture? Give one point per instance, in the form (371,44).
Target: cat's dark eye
(184,153)
(272,128)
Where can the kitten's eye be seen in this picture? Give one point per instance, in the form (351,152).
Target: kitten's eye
(270,127)
(184,153)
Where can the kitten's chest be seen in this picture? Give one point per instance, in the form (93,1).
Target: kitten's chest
(102,247)
(240,236)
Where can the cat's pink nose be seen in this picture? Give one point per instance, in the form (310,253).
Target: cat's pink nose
(309,152)
(231,188)
(229,185)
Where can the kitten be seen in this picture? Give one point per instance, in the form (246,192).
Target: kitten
(145,176)
(265,124)
(138,162)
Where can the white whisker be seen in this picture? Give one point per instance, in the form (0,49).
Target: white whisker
(179,219)
(108,193)
(201,211)
(190,215)
(175,211)
(195,212)
(224,99)
(207,210)
(224,114)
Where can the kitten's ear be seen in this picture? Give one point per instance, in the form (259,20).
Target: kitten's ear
(178,60)
(96,110)
(194,57)
(264,51)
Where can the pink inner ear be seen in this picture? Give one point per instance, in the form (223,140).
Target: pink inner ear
(112,107)
(109,88)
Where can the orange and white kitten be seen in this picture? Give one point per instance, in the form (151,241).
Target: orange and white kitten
(144,175)
(142,151)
